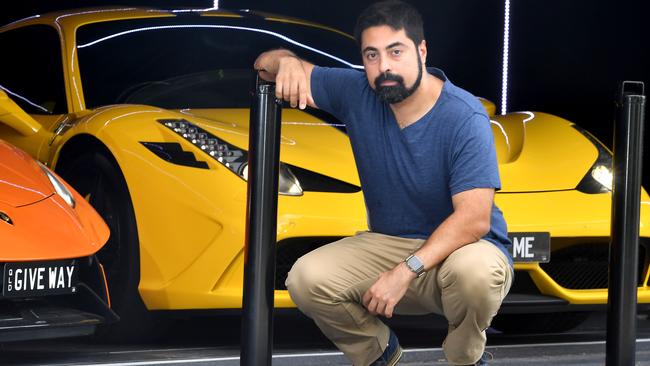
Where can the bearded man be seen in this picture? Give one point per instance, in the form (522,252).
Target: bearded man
(428,169)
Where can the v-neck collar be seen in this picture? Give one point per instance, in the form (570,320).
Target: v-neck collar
(440,75)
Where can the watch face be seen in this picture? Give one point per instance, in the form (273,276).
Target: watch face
(414,264)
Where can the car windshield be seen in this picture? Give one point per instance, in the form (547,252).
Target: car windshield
(193,61)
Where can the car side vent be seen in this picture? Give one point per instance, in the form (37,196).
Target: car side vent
(314,182)
(4,217)
(174,153)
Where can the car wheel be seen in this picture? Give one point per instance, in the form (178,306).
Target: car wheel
(97,177)
(539,323)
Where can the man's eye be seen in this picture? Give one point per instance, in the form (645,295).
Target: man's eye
(397,52)
(371,55)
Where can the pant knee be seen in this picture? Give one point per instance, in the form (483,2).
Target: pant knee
(305,284)
(477,282)
(473,297)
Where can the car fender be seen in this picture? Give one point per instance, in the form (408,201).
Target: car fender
(155,184)
(540,152)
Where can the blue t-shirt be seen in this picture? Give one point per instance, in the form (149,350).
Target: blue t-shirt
(409,175)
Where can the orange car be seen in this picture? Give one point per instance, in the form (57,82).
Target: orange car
(52,283)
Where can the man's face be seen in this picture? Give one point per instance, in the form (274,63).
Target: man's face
(392,62)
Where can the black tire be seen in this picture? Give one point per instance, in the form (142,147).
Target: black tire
(97,177)
(538,323)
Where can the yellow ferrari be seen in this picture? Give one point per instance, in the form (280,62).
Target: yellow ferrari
(145,113)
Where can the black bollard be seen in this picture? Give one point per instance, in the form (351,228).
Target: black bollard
(624,250)
(262,212)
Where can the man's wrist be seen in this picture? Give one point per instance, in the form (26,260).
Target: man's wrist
(291,57)
(404,270)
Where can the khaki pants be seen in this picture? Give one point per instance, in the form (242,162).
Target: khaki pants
(467,288)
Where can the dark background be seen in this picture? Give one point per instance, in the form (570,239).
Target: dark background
(567,57)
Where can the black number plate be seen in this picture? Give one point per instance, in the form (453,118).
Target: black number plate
(40,278)
(530,247)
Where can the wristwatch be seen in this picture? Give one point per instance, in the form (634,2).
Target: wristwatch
(415,265)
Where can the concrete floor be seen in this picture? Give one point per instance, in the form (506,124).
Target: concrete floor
(215,341)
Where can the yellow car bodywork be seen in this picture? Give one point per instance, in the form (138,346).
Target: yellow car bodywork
(191,222)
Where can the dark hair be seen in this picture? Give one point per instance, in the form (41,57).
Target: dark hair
(395,14)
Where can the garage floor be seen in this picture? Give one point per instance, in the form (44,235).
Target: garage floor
(215,341)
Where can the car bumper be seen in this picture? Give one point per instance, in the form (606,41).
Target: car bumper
(27,321)
(214,280)
(58,316)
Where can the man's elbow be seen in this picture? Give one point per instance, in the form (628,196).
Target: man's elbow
(480,227)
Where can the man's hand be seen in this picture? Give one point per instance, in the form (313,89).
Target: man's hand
(291,75)
(382,297)
(291,83)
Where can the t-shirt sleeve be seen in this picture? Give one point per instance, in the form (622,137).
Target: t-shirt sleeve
(334,90)
(473,157)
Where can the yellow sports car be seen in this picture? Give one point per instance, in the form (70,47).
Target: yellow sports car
(145,113)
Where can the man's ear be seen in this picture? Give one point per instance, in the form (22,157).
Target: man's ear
(422,48)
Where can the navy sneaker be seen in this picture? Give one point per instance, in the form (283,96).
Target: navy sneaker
(485,357)
(392,353)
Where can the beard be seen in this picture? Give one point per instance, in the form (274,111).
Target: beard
(392,94)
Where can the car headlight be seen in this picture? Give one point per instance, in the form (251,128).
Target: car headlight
(228,155)
(59,187)
(288,184)
(600,176)
(603,175)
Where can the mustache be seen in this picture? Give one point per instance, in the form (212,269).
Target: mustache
(387,76)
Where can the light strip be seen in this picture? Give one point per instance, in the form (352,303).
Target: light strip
(22,187)
(21,20)
(531,116)
(92,12)
(506,45)
(315,124)
(503,131)
(283,37)
(175,11)
(25,99)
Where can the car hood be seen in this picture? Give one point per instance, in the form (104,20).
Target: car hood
(540,152)
(536,151)
(22,181)
(306,141)
(50,229)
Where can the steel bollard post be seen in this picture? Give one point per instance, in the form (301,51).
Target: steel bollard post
(624,250)
(261,213)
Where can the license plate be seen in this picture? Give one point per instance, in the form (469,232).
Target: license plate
(530,247)
(40,278)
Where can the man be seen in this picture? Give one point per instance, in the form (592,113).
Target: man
(427,164)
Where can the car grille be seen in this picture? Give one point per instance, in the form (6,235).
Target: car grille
(585,265)
(288,252)
(523,284)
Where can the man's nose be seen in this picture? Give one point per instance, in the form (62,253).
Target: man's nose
(384,65)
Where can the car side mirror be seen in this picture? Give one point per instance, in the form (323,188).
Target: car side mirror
(15,117)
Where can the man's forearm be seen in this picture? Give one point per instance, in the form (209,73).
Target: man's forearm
(457,230)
